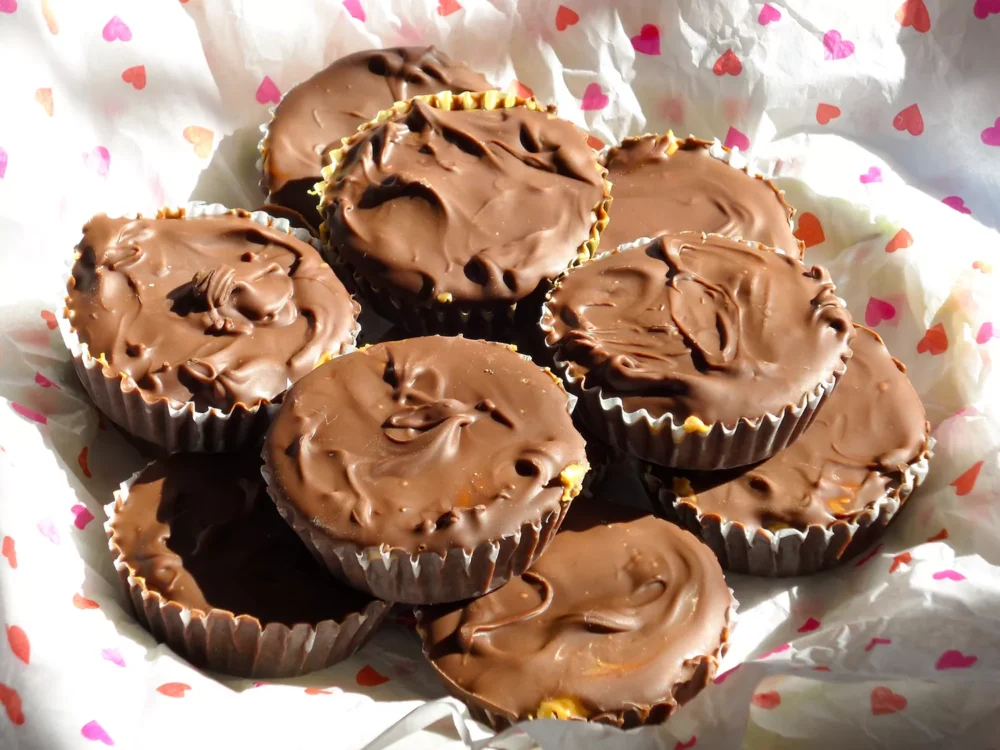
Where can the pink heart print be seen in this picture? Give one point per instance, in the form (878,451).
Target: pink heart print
(648,40)
(98,160)
(954,201)
(991,136)
(836,47)
(95,732)
(948,575)
(953,659)
(354,8)
(736,139)
(267,92)
(984,8)
(27,413)
(768,14)
(878,310)
(48,530)
(3,163)
(874,174)
(8,6)
(116,29)
(594,98)
(82,516)
(986,332)
(113,655)
(809,625)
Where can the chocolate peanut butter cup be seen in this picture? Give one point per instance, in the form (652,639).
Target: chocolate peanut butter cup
(623,619)
(454,213)
(698,351)
(827,495)
(665,185)
(215,573)
(426,470)
(313,118)
(186,328)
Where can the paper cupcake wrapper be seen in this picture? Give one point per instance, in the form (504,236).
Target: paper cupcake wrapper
(788,552)
(731,156)
(174,425)
(239,645)
(667,441)
(703,669)
(491,320)
(398,575)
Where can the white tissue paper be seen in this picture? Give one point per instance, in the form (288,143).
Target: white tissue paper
(880,120)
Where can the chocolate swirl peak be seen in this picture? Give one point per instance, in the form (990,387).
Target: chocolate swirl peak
(425,444)
(215,310)
(313,117)
(662,185)
(623,610)
(461,205)
(858,448)
(700,326)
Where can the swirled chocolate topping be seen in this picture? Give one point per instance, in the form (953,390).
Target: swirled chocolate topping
(314,116)
(656,193)
(425,444)
(700,326)
(202,532)
(216,310)
(870,430)
(621,610)
(480,205)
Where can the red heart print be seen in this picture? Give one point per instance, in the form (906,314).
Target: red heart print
(10,552)
(50,320)
(910,120)
(956,202)
(821,668)
(648,40)
(725,675)
(82,602)
(595,143)
(809,625)
(44,97)
(267,92)
(767,701)
(779,650)
(948,575)
(116,29)
(768,14)
(934,341)
(810,231)
(875,550)
(878,310)
(11,702)
(135,75)
(876,642)
(27,413)
(728,63)
(826,112)
(353,7)
(18,641)
(939,537)
(736,139)
(82,460)
(901,240)
(447,7)
(566,17)
(522,91)
(317,691)
(984,8)
(884,701)
(914,13)
(173,689)
(836,48)
(368,677)
(594,98)
(686,745)
(952,659)
(903,558)
(991,136)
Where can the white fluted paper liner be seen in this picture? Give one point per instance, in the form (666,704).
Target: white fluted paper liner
(398,575)
(490,320)
(663,440)
(705,668)
(167,422)
(238,644)
(788,552)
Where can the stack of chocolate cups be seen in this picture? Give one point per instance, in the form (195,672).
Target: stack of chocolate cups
(310,485)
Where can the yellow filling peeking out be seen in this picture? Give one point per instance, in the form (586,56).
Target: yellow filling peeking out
(683,488)
(444,298)
(562,708)
(572,480)
(324,358)
(693,424)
